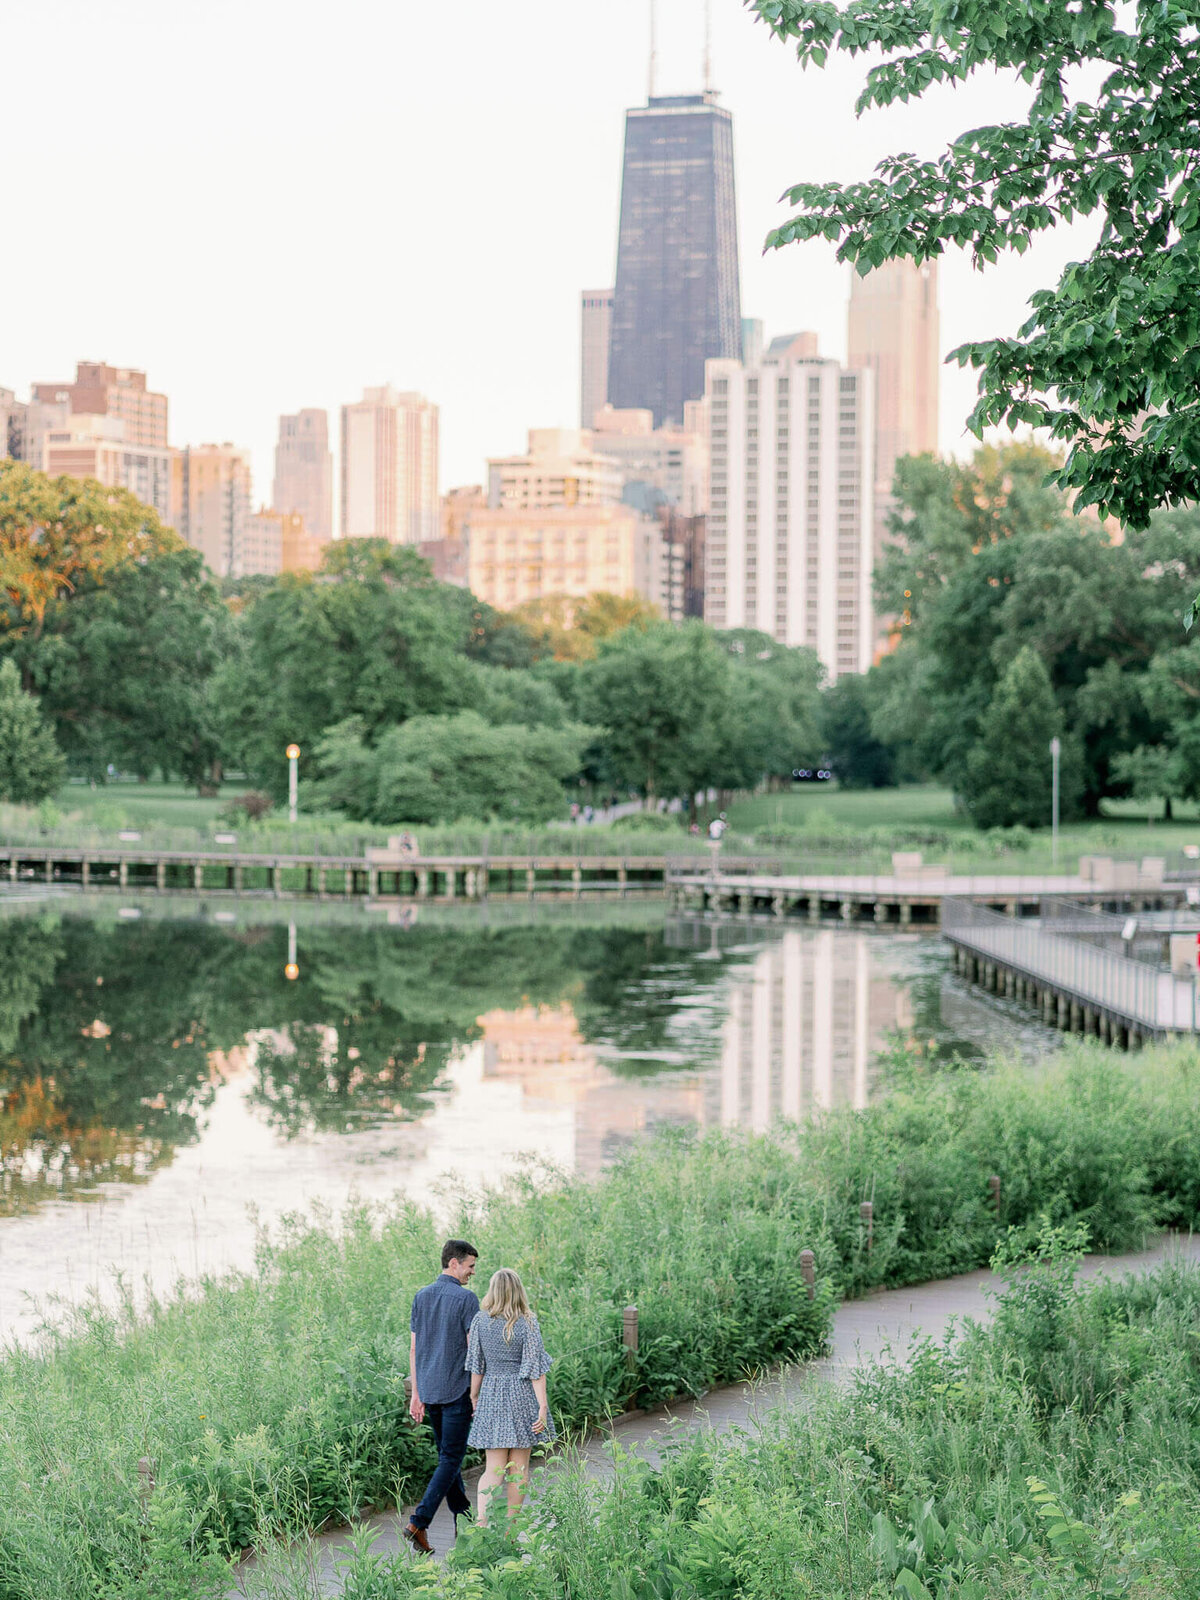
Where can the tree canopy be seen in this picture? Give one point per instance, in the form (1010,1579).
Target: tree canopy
(987,561)
(1109,359)
(113,621)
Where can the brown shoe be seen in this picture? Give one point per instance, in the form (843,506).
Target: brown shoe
(417,1538)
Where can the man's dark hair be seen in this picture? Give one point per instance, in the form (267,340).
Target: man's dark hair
(456,1250)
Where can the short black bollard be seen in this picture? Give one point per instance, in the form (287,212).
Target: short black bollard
(808,1271)
(867,1212)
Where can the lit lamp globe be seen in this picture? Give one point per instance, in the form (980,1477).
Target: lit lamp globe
(291,972)
(293,752)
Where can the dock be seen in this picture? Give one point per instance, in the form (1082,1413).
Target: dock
(1076,984)
(897,899)
(376,875)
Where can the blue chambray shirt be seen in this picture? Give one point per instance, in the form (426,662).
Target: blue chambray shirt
(442,1314)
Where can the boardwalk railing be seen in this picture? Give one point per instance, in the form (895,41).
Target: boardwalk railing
(1152,999)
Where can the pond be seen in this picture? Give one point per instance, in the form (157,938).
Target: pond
(166,1074)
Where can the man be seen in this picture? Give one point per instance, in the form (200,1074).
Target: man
(442,1314)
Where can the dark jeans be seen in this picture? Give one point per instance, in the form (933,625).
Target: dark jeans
(450,1423)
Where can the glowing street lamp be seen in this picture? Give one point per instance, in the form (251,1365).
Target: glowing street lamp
(293,755)
(292,971)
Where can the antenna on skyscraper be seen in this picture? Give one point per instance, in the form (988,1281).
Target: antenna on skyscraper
(653,48)
(708,83)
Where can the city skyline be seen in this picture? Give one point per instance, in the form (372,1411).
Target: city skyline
(401,298)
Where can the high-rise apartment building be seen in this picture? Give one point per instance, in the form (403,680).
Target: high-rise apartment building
(94,445)
(672,460)
(595,324)
(27,426)
(8,411)
(304,471)
(390,467)
(212,502)
(789,546)
(560,468)
(677,301)
(516,554)
(752,341)
(271,542)
(118,392)
(893,331)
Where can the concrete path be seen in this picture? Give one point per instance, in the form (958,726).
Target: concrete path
(862,1330)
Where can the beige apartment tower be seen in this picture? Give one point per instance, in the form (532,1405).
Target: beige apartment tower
(304,471)
(894,333)
(514,555)
(213,501)
(94,445)
(789,547)
(560,468)
(390,467)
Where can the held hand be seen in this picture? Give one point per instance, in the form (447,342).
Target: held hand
(416,1409)
(539,1422)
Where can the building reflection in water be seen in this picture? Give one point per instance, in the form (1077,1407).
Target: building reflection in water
(802,1020)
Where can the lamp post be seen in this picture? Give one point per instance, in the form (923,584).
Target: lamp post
(1055,753)
(292,971)
(293,755)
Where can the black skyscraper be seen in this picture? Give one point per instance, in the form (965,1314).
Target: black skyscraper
(677,300)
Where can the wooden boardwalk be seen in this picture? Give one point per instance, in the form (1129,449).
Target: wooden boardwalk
(1075,984)
(891,898)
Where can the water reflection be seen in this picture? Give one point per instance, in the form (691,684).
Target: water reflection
(172,1074)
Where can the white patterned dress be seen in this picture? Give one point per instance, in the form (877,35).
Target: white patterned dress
(507,1406)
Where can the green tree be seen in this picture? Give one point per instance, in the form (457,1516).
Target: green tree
(1108,360)
(663,696)
(31,764)
(1153,772)
(772,724)
(372,635)
(437,769)
(1008,776)
(113,621)
(987,558)
(859,760)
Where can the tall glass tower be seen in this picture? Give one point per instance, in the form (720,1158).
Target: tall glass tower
(677,300)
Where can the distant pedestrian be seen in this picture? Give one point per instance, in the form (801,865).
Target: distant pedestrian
(588,813)
(508,1365)
(442,1315)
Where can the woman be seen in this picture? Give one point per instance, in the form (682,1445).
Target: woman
(508,1365)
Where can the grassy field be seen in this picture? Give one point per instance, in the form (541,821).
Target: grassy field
(861,818)
(138,805)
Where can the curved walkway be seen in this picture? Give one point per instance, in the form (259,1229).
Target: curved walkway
(862,1330)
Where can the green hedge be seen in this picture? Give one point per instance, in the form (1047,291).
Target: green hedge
(274,1401)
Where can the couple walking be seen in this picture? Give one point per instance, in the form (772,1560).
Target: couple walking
(479,1380)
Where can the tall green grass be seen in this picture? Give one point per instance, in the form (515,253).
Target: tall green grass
(1052,1456)
(274,1402)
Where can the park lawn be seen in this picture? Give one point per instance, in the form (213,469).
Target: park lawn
(821,805)
(830,814)
(133,805)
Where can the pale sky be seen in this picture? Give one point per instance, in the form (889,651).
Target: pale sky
(268,204)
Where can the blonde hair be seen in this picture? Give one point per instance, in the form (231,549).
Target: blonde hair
(506,1298)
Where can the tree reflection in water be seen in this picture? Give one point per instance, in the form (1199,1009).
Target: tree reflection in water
(112,1035)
